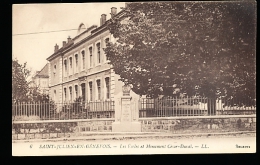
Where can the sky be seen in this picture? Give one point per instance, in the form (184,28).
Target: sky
(32,18)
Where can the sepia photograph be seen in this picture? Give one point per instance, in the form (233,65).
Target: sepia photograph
(134,78)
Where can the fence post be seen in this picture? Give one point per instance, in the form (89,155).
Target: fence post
(21,108)
(16,108)
(68,110)
(44,109)
(28,108)
(49,110)
(40,108)
(33,105)
(25,108)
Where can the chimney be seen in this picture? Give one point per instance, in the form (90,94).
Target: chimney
(56,48)
(69,39)
(126,4)
(103,19)
(63,43)
(113,11)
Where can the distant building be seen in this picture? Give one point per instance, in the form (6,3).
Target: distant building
(80,67)
(41,80)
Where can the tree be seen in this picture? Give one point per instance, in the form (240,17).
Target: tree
(169,48)
(20,86)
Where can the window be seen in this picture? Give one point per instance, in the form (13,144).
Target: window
(54,71)
(83,59)
(54,95)
(76,91)
(83,91)
(70,65)
(107,88)
(90,91)
(65,94)
(98,53)
(106,42)
(76,63)
(90,57)
(65,67)
(98,90)
(70,89)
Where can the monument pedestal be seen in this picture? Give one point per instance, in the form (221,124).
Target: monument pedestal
(126,127)
(126,115)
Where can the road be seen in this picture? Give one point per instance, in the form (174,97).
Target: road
(147,145)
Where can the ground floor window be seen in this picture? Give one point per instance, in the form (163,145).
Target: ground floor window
(70,90)
(90,91)
(83,91)
(98,90)
(65,94)
(76,91)
(107,88)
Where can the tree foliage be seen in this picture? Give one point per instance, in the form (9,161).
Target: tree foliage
(20,86)
(21,91)
(169,48)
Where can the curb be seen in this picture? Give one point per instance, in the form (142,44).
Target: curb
(124,136)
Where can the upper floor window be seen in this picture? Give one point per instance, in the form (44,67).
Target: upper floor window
(83,59)
(106,42)
(65,67)
(98,53)
(90,57)
(70,65)
(98,90)
(76,62)
(54,71)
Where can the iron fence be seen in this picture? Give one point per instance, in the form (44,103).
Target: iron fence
(194,106)
(160,107)
(23,111)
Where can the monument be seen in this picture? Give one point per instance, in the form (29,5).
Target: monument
(126,112)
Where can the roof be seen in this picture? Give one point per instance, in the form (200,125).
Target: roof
(93,29)
(44,72)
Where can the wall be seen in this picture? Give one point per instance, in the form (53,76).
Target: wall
(93,78)
(196,125)
(85,46)
(59,129)
(55,80)
(175,126)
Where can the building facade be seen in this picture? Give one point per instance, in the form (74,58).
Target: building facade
(40,80)
(80,67)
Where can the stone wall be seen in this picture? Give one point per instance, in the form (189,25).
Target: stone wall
(58,129)
(202,125)
(49,130)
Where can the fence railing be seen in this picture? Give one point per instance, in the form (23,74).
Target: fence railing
(190,106)
(163,107)
(62,111)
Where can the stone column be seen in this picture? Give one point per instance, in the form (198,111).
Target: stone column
(126,113)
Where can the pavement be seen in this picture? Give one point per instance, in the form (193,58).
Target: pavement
(132,135)
(138,144)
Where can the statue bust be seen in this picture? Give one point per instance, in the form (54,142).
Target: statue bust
(126,90)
